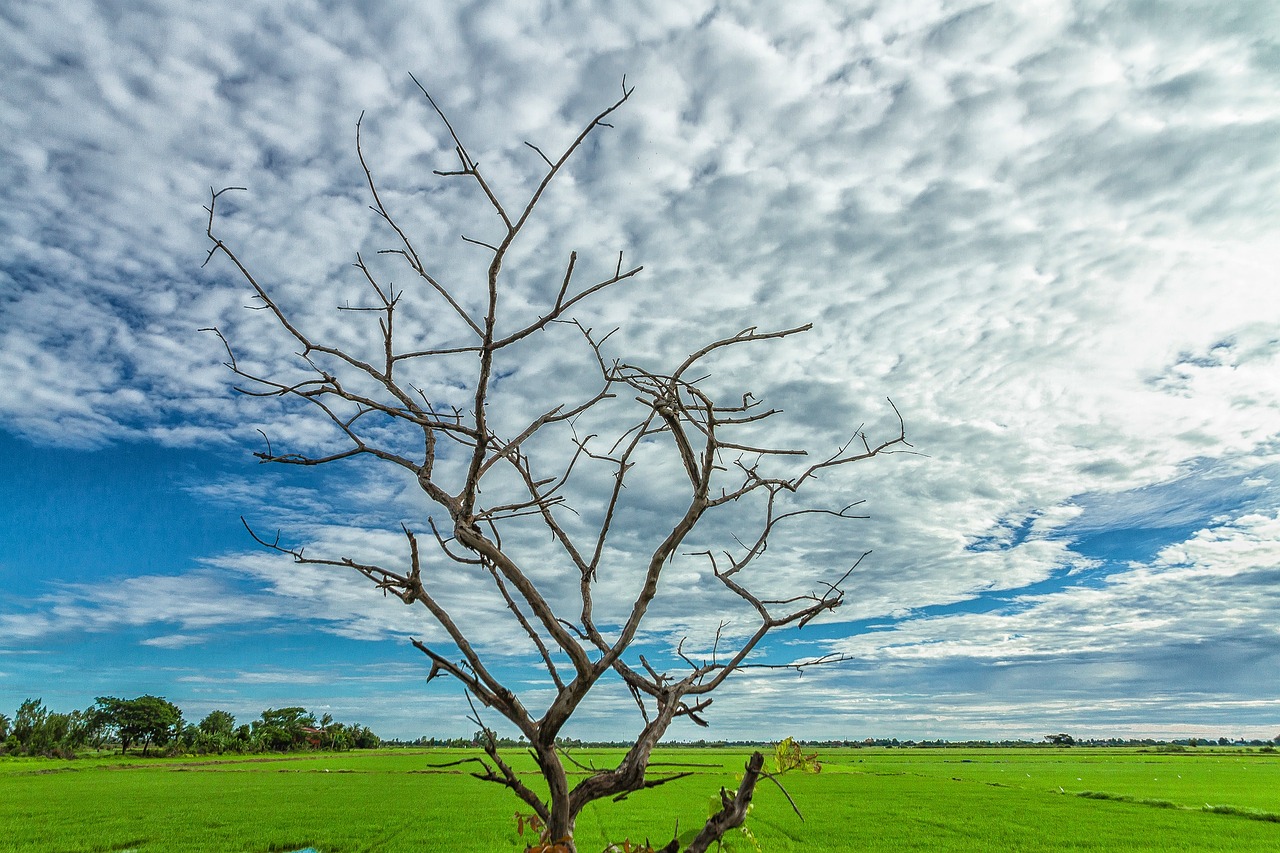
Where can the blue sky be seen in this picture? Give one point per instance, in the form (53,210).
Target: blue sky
(1047,230)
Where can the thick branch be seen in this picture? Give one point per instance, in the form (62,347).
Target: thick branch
(733,808)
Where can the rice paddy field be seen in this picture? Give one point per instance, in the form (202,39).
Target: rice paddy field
(864,799)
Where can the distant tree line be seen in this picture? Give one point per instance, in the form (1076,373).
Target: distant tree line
(153,723)
(1061,739)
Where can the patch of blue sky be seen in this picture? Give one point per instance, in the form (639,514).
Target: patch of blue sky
(77,515)
(130,509)
(1135,525)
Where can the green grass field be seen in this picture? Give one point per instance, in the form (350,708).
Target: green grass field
(936,800)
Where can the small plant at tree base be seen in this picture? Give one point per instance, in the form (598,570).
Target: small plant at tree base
(788,756)
(538,828)
(528,496)
(629,846)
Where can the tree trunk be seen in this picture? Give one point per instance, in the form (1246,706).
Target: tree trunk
(561,825)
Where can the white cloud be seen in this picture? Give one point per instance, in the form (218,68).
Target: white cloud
(174,641)
(1046,230)
(194,601)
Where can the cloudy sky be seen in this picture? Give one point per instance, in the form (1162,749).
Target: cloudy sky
(1047,230)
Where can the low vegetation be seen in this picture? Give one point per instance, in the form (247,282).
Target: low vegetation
(152,722)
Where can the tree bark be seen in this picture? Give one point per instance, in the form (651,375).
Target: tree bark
(560,827)
(733,810)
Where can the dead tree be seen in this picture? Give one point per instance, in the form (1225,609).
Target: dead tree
(470,468)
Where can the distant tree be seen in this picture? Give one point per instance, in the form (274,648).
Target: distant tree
(281,729)
(339,736)
(1061,739)
(429,397)
(270,739)
(362,737)
(186,737)
(97,727)
(218,723)
(4,728)
(35,730)
(146,719)
(27,721)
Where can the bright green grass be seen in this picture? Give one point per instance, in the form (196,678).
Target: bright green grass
(1249,780)
(936,800)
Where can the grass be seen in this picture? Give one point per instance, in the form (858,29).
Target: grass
(878,800)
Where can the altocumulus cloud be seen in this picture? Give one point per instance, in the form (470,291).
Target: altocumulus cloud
(1046,229)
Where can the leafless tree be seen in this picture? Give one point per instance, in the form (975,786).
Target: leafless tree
(721,470)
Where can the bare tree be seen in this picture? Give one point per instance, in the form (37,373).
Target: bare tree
(487,481)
